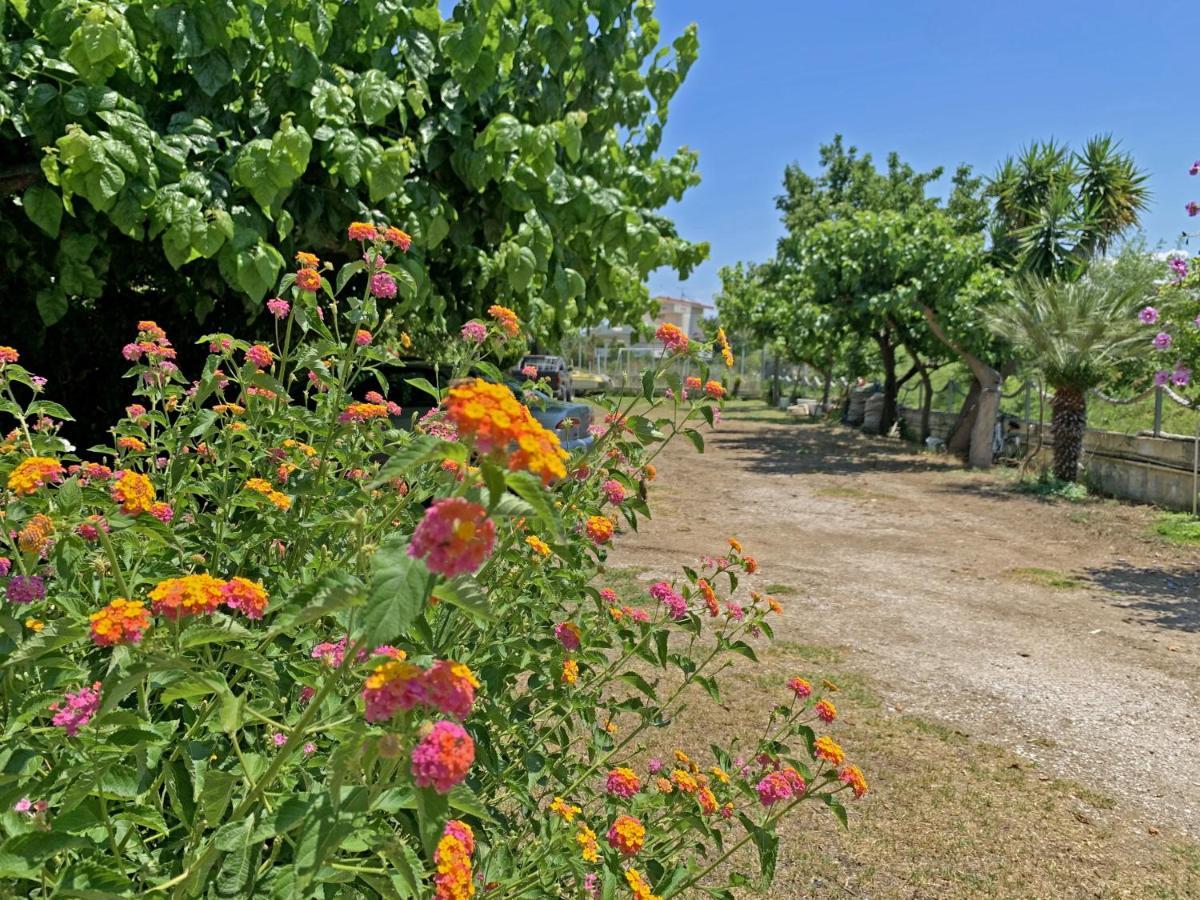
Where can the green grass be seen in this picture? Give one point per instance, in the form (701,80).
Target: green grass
(1047,487)
(779,590)
(1178,528)
(1049,578)
(624,580)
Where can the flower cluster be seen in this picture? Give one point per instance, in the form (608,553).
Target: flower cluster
(454,537)
(200,594)
(262,486)
(246,596)
(627,835)
(506,319)
(726,351)
(134,492)
(599,529)
(396,686)
(672,337)
(76,709)
(666,595)
(121,622)
(495,422)
(34,472)
(452,859)
(622,782)
(443,756)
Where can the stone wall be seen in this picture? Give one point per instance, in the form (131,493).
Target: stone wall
(1138,467)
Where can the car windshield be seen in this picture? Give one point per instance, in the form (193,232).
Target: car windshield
(542,362)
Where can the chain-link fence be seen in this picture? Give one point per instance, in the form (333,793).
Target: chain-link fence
(1145,447)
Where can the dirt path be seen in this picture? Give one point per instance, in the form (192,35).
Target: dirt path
(1060,631)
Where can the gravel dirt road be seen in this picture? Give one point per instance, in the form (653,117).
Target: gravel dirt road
(1067,633)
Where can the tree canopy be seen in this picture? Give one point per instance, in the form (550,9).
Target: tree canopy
(167,148)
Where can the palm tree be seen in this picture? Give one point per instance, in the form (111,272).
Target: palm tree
(1055,210)
(1075,332)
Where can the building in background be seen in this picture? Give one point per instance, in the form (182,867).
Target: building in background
(687,315)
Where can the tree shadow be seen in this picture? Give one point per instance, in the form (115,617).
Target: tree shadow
(812,448)
(1169,598)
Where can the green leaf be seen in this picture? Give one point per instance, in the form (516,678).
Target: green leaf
(386,175)
(696,438)
(423,384)
(503,134)
(51,305)
(529,488)
(44,207)
(236,875)
(406,867)
(838,809)
(432,809)
(520,266)
(22,856)
(640,683)
(51,409)
(467,594)
(212,71)
(396,594)
(463,799)
(421,449)
(648,385)
(436,231)
(192,687)
(377,96)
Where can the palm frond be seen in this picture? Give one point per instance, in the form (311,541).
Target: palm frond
(1074,332)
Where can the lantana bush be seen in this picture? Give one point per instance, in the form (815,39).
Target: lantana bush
(281,638)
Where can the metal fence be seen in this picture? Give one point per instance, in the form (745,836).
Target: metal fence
(1157,411)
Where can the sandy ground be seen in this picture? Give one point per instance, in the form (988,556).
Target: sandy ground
(919,572)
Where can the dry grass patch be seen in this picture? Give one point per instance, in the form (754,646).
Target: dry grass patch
(947,816)
(850,492)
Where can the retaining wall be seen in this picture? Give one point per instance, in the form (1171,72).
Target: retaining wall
(1138,467)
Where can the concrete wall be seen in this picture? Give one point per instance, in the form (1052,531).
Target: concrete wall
(1136,467)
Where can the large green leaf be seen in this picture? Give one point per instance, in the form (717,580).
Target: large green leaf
(44,207)
(397,593)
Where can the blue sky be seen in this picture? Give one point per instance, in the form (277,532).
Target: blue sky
(938,81)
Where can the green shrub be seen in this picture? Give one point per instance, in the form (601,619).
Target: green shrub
(274,646)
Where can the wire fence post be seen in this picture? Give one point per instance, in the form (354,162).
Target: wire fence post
(1158,403)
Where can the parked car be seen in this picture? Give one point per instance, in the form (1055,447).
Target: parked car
(552,368)
(590,382)
(570,421)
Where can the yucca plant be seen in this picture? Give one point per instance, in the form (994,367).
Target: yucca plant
(1056,210)
(1074,333)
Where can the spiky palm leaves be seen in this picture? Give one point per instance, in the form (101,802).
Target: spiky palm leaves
(1074,332)
(1055,210)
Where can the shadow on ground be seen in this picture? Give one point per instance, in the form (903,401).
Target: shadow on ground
(800,449)
(1169,598)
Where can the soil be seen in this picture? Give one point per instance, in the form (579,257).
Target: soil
(1067,634)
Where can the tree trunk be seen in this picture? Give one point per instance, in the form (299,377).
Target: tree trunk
(990,383)
(959,439)
(825,392)
(926,403)
(1068,423)
(887,354)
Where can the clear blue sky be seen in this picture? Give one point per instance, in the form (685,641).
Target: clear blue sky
(936,80)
